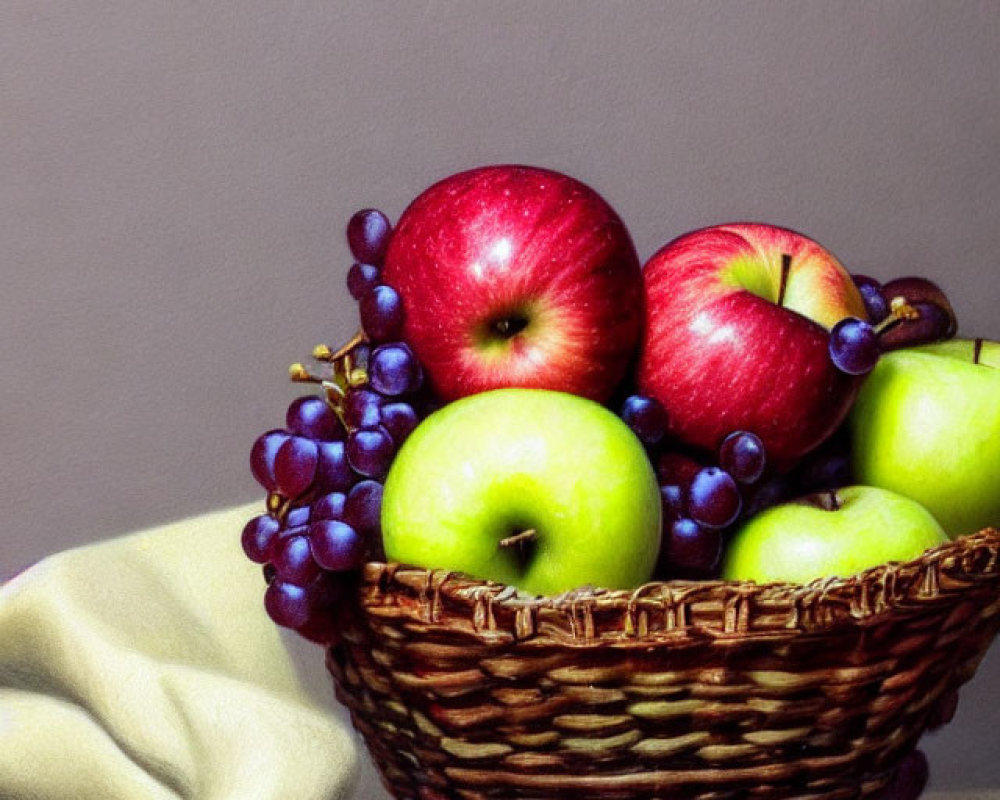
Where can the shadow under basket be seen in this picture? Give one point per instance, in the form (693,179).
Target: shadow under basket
(467,689)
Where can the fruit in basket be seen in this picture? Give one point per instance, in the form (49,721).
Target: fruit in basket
(836,533)
(516,276)
(927,424)
(542,490)
(736,337)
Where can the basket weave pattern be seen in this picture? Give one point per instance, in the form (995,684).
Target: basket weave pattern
(465,689)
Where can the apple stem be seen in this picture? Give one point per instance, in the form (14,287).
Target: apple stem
(786,267)
(833,502)
(519,538)
(977,350)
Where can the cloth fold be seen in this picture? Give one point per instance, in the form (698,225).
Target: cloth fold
(146,667)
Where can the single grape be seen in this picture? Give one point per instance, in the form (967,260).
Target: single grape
(692,548)
(676,468)
(870,290)
(329,506)
(361,279)
(825,471)
(336,545)
(363,509)
(368,234)
(742,455)
(312,417)
(674,505)
(370,451)
(399,419)
(382,314)
(287,603)
(260,535)
(933,324)
(333,473)
(854,346)
(295,465)
(362,408)
(646,417)
(714,499)
(769,492)
(262,456)
(911,777)
(394,370)
(294,560)
(297,517)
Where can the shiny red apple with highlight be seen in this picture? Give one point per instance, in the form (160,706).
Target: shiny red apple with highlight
(517,276)
(736,334)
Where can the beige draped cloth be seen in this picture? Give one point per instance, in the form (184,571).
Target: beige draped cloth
(146,667)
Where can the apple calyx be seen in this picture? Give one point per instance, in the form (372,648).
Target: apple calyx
(508,326)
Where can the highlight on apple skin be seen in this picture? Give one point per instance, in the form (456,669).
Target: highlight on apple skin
(517,276)
(736,336)
(541,490)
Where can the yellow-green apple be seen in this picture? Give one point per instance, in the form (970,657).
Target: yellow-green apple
(927,424)
(836,533)
(736,337)
(537,489)
(516,276)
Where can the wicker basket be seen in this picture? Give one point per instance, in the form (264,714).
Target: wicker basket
(465,689)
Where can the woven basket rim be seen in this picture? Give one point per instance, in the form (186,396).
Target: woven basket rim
(713,608)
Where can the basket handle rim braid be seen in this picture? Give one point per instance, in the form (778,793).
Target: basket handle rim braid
(679,609)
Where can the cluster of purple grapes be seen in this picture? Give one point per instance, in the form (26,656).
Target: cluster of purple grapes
(705,496)
(902,313)
(324,471)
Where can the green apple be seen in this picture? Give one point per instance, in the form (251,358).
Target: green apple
(927,424)
(537,489)
(838,533)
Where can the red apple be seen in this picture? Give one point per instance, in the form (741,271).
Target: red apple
(736,337)
(517,276)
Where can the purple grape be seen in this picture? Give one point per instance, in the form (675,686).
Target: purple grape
(399,419)
(672,496)
(767,493)
(363,508)
(368,234)
(361,279)
(297,530)
(933,324)
(876,306)
(329,506)
(333,473)
(692,548)
(394,370)
(312,417)
(362,408)
(742,455)
(825,471)
(646,417)
(295,465)
(336,545)
(260,535)
(854,346)
(297,517)
(287,604)
(370,451)
(262,456)
(382,314)
(910,779)
(714,500)
(294,561)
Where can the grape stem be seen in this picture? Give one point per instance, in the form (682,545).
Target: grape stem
(899,311)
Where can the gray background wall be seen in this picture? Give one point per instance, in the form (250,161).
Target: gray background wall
(175,178)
